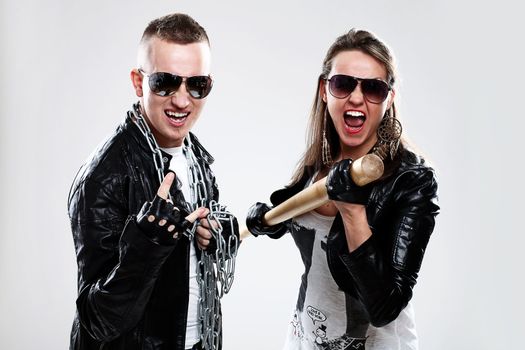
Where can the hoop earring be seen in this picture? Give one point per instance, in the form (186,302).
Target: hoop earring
(326,154)
(388,135)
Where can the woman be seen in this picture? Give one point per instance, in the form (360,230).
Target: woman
(362,251)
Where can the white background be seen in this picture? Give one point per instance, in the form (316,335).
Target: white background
(65,86)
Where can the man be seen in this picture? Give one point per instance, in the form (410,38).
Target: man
(136,251)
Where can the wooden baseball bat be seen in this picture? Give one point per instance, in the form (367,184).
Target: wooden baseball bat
(363,171)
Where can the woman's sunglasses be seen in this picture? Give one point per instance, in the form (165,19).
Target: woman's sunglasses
(374,90)
(166,84)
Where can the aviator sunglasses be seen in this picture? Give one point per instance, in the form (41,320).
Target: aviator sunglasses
(166,84)
(374,90)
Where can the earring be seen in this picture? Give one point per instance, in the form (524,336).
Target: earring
(388,135)
(326,154)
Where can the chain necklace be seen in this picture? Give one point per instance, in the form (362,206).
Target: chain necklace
(215,270)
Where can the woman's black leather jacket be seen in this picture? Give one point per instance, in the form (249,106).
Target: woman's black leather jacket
(401,213)
(132,292)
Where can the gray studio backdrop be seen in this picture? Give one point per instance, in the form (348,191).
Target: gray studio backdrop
(65,85)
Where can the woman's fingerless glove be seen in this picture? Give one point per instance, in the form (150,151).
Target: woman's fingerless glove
(254,221)
(342,188)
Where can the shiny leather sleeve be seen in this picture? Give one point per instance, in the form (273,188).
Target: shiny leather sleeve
(117,263)
(281,195)
(385,268)
(229,229)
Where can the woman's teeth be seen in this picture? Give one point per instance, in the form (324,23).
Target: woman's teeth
(354,114)
(354,118)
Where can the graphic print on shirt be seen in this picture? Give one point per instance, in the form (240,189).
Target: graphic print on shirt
(315,314)
(326,318)
(343,343)
(298,330)
(320,335)
(305,243)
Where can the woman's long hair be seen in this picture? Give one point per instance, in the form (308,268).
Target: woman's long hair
(365,42)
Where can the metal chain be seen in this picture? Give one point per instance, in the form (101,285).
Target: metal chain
(216,269)
(152,143)
(215,272)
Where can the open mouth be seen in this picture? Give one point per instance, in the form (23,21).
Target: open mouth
(354,121)
(176,118)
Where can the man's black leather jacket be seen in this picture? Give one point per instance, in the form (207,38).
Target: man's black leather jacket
(401,213)
(132,292)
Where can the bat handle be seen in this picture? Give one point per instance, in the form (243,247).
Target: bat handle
(363,171)
(366,169)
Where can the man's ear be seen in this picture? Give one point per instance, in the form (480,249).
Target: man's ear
(136,79)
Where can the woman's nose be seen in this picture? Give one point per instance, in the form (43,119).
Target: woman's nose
(356,97)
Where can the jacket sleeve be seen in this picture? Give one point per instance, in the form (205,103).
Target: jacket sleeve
(117,263)
(384,277)
(230,228)
(278,230)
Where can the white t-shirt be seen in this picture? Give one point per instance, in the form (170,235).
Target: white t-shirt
(179,164)
(328,318)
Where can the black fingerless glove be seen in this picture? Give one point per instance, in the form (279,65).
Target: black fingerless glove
(227,232)
(342,188)
(161,221)
(254,221)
